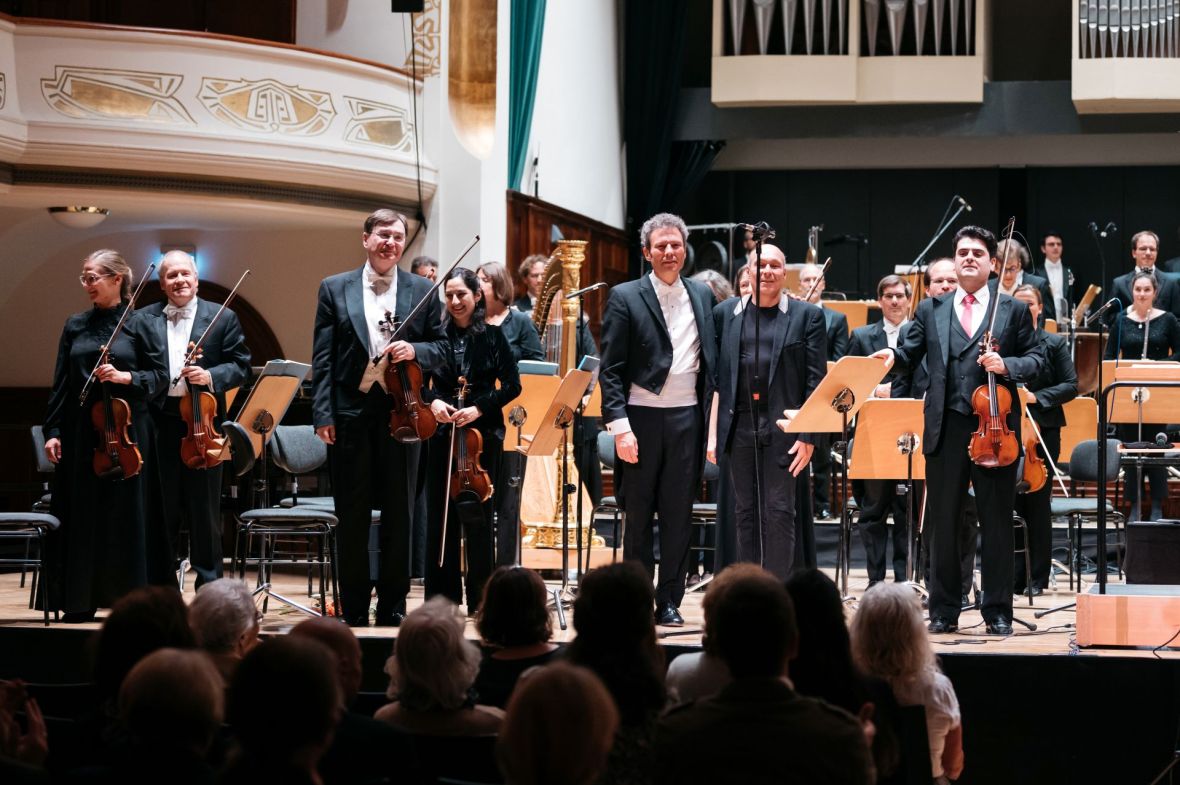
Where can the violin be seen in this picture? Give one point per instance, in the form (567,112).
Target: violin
(116,456)
(993,444)
(410,420)
(1036,474)
(202,447)
(466,473)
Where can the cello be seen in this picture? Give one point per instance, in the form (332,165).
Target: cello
(116,456)
(993,444)
(202,447)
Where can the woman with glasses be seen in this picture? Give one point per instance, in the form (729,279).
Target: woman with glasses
(98,555)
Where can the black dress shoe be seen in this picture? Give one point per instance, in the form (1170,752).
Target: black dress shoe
(1037,591)
(357,621)
(390,620)
(668,616)
(999,626)
(939,625)
(77,617)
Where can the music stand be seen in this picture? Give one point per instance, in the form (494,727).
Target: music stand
(538,382)
(885,429)
(1136,405)
(250,433)
(836,400)
(552,434)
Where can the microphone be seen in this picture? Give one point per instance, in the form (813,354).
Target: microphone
(1161,440)
(1111,227)
(841,239)
(1105,307)
(963,202)
(761,230)
(590,288)
(1093,227)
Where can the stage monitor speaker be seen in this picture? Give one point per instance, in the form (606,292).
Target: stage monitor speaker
(407,6)
(1153,552)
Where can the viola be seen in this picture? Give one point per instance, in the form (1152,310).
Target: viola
(202,447)
(467,474)
(410,420)
(1036,474)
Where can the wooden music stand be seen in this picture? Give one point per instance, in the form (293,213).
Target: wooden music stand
(856,311)
(889,429)
(846,388)
(1135,405)
(262,410)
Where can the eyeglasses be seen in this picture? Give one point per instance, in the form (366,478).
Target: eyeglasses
(90,279)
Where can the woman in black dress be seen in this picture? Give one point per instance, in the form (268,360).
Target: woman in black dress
(479,352)
(98,554)
(1144,332)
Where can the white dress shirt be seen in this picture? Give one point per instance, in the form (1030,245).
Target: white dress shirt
(892,331)
(180,327)
(978,308)
(1015,285)
(680,388)
(377,305)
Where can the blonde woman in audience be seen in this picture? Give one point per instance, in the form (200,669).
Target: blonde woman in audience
(430,676)
(889,641)
(560,726)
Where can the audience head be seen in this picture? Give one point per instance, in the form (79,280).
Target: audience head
(729,576)
(559,728)
(340,639)
(433,666)
(889,640)
(616,638)
(717,284)
(752,629)
(823,665)
(224,617)
(514,610)
(284,701)
(145,619)
(173,699)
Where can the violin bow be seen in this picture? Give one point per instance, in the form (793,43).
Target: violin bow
(442,548)
(102,356)
(194,350)
(822,272)
(995,301)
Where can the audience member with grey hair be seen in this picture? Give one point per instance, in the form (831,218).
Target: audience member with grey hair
(225,621)
(430,676)
(721,288)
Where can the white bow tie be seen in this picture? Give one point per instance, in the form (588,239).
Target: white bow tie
(175,314)
(380,283)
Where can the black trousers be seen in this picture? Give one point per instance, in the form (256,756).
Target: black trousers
(772,544)
(968,544)
(1034,508)
(188,495)
(472,520)
(821,472)
(663,482)
(949,470)
(878,499)
(372,471)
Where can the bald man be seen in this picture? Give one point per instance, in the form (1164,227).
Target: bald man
(181,493)
(770,357)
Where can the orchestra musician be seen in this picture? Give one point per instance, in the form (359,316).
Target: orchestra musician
(370,469)
(1144,250)
(1144,331)
(877,499)
(1053,270)
(1055,385)
(425,266)
(657,362)
(1011,262)
(181,493)
(480,353)
(99,552)
(947,331)
(532,272)
(791,361)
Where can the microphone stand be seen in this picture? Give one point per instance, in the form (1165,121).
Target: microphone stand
(755,303)
(938,233)
(1101,263)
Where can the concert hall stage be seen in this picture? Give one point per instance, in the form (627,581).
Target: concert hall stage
(1036,708)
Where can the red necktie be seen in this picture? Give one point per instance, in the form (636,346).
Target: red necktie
(965,318)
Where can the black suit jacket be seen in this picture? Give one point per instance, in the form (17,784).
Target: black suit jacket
(224,352)
(929,337)
(798,362)
(1055,384)
(1166,299)
(340,345)
(636,347)
(913,384)
(837,326)
(871,338)
(1048,306)
(1040,272)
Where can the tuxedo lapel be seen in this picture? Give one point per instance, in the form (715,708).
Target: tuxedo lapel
(405,296)
(733,347)
(201,319)
(944,310)
(647,293)
(354,301)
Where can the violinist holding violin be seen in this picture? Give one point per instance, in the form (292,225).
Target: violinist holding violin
(477,358)
(1055,385)
(947,331)
(98,554)
(181,492)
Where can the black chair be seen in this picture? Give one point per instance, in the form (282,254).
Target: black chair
(608,505)
(704,516)
(1018,522)
(915,766)
(1083,467)
(451,759)
(31,528)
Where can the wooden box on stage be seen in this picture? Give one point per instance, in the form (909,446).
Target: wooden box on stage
(1141,615)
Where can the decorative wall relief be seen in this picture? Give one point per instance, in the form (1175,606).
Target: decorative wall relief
(115,94)
(427,50)
(383,125)
(267,105)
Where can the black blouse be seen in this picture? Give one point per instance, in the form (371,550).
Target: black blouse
(1163,338)
(486,359)
(522,336)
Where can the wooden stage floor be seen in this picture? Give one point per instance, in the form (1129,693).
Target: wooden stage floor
(1054,634)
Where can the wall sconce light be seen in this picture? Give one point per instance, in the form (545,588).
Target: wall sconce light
(77,217)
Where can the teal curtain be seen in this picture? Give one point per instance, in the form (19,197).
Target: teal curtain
(528,24)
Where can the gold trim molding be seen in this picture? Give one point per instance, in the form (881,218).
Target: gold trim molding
(267,105)
(383,125)
(115,94)
(425,58)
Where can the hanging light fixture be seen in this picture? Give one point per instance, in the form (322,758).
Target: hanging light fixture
(77,217)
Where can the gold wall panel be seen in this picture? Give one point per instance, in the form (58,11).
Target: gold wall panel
(115,94)
(374,123)
(267,105)
(471,75)
(425,58)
